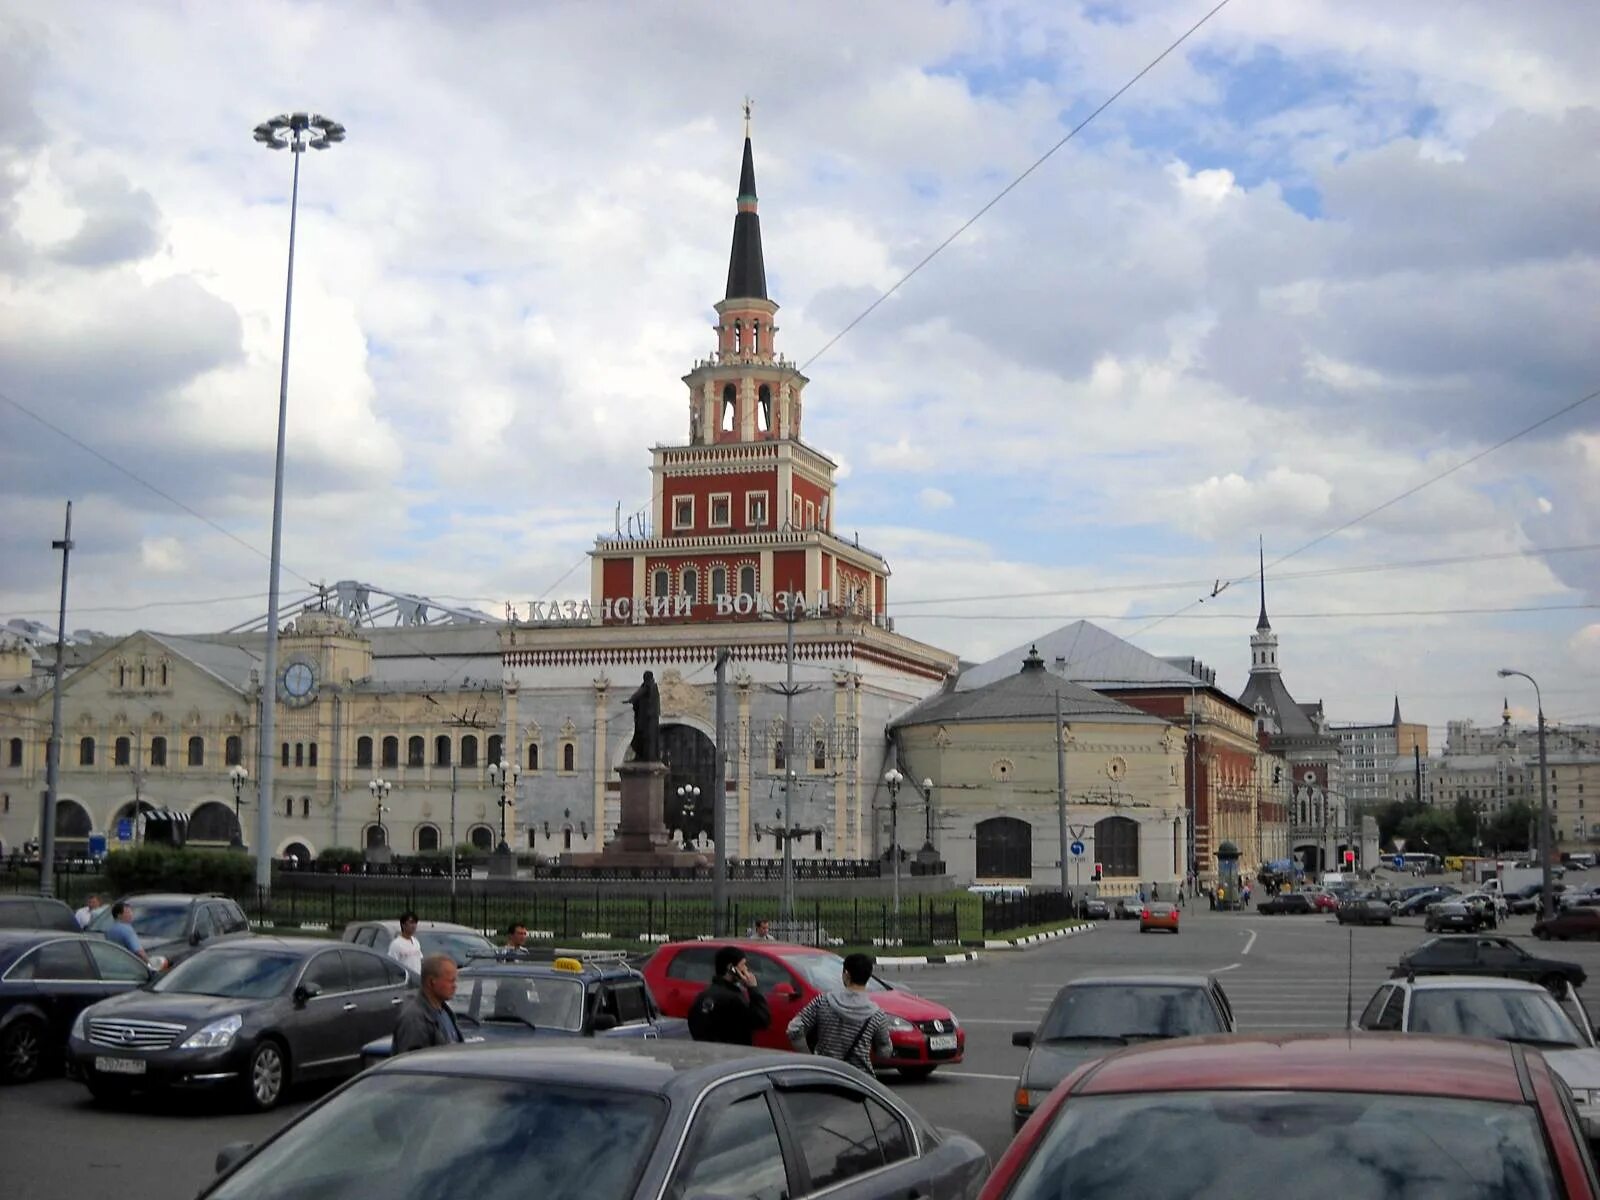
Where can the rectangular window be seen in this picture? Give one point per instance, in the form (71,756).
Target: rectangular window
(799,512)
(722,510)
(683,512)
(811,515)
(755,509)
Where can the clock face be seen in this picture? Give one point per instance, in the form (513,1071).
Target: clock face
(299,679)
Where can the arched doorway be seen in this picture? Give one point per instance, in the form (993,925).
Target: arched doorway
(213,824)
(72,828)
(1116,847)
(298,851)
(427,838)
(481,837)
(1005,848)
(1310,856)
(691,759)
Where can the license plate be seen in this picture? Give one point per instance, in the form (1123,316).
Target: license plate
(943,1041)
(119,1066)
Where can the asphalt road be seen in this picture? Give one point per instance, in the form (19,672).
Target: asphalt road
(1289,974)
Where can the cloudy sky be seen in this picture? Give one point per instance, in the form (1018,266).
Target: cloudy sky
(1323,252)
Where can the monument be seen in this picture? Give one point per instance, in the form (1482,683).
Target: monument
(642,838)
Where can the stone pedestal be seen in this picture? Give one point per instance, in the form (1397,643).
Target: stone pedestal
(503,865)
(642,840)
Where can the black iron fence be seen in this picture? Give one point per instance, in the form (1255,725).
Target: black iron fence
(1022,909)
(745,869)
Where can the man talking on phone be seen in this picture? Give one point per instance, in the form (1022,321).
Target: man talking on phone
(730,1010)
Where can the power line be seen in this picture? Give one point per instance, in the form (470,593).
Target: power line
(1184,614)
(1005,191)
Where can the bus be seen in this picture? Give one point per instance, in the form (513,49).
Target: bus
(1428,864)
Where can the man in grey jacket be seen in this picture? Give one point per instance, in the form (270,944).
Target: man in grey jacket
(845,1024)
(426,1019)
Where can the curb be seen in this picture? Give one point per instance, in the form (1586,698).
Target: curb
(1035,938)
(929,960)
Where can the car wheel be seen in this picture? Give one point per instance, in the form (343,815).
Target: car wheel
(21,1050)
(1542,934)
(914,1073)
(265,1076)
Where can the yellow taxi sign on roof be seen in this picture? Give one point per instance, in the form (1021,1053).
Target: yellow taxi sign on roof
(567,964)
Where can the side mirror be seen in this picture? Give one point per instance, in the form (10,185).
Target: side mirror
(231,1154)
(1023,1038)
(307,991)
(603,1022)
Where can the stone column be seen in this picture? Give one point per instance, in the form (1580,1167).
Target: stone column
(742,745)
(857,843)
(602,770)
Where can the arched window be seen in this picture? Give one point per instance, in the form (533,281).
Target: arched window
(197,752)
(86,752)
(391,752)
(427,838)
(311,755)
(375,836)
(72,820)
(719,582)
(163,674)
(299,754)
(819,755)
(481,837)
(569,757)
(232,751)
(121,753)
(661,584)
(469,751)
(363,752)
(441,750)
(755,336)
(691,584)
(779,757)
(747,581)
(144,675)
(122,675)
(14,752)
(1005,848)
(213,822)
(566,838)
(415,750)
(730,405)
(288,806)
(1116,847)
(305,806)
(533,756)
(496,747)
(764,408)
(738,338)
(158,752)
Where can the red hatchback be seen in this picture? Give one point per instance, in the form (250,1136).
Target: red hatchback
(925,1035)
(1380,1116)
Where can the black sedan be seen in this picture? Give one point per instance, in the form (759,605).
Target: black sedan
(1487,955)
(46,980)
(1364,910)
(1454,915)
(256,1015)
(581,1122)
(1417,903)
(1292,903)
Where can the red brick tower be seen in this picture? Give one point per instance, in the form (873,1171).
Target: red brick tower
(741,516)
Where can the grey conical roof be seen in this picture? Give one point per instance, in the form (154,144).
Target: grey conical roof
(747,272)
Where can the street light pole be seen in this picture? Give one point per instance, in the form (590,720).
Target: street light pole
(237,775)
(293,132)
(688,802)
(52,761)
(892,779)
(927,796)
(1546,883)
(505,775)
(380,789)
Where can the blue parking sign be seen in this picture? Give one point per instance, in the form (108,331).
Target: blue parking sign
(125,829)
(1077,849)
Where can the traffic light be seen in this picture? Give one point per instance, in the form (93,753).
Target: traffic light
(1098,871)
(1349,858)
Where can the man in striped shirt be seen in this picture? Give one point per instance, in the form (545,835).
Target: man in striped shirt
(845,1024)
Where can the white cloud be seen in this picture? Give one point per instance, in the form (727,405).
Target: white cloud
(162,556)
(935,499)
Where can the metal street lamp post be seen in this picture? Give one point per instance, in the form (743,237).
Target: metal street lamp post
(927,798)
(688,802)
(380,789)
(1547,887)
(505,774)
(892,780)
(788,838)
(237,776)
(293,132)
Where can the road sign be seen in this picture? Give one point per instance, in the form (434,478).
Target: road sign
(1077,849)
(1400,860)
(125,829)
(97,845)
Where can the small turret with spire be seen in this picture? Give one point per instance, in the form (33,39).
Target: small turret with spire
(1263,643)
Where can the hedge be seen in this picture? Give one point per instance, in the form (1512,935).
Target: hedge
(162,868)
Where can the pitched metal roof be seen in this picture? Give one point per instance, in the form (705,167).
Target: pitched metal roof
(1026,694)
(1085,654)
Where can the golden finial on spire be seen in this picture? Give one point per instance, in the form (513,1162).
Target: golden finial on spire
(748,104)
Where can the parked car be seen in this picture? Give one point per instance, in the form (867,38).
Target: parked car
(1287,904)
(513,999)
(1325,901)
(926,1035)
(1158,915)
(1364,910)
(1489,907)
(1579,898)
(1096,909)
(1482,955)
(1127,908)
(592,1121)
(1090,1018)
(461,942)
(36,912)
(46,979)
(1572,923)
(1508,1010)
(174,925)
(256,1015)
(1420,900)
(1452,915)
(1527,898)
(1387,1115)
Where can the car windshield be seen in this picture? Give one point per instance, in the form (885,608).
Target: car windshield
(152,922)
(459,945)
(1378,1147)
(241,974)
(1117,1013)
(825,972)
(1502,1013)
(417,1137)
(541,1003)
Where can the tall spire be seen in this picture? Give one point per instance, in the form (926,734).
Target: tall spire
(747,273)
(1261,549)
(1397,711)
